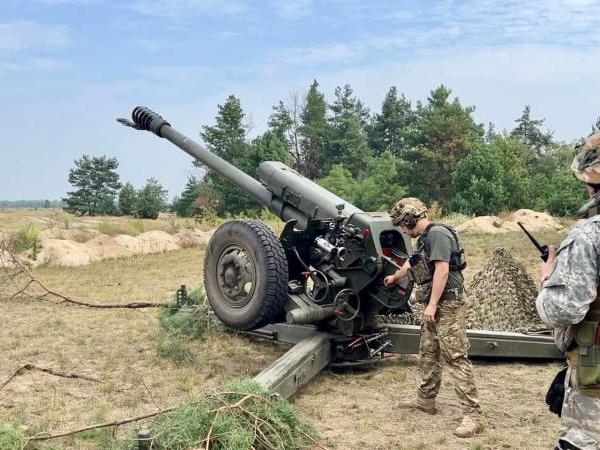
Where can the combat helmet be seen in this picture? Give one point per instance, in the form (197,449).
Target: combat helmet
(407,212)
(586,164)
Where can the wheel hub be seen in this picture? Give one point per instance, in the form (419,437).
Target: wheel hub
(236,273)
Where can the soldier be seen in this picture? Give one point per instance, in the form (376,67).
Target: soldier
(436,270)
(569,300)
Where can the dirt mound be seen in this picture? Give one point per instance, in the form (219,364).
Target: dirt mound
(502,296)
(484,224)
(191,238)
(532,220)
(130,243)
(60,251)
(103,247)
(157,241)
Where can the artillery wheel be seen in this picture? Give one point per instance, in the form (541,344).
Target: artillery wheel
(245,274)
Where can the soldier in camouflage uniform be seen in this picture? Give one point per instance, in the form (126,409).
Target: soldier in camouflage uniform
(569,300)
(436,270)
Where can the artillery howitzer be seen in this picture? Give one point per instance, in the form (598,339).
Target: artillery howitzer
(320,283)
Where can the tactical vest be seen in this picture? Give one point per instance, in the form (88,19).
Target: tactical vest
(585,356)
(421,271)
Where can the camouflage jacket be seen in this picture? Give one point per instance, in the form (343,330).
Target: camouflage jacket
(573,284)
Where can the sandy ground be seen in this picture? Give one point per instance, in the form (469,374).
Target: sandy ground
(350,410)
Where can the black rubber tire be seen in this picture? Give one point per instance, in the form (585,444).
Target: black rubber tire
(269,291)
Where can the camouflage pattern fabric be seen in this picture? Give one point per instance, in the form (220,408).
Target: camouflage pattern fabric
(565,301)
(580,418)
(502,295)
(446,341)
(573,284)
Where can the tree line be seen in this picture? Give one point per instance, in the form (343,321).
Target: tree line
(35,204)
(433,150)
(99,191)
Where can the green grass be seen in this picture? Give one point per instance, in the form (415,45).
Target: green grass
(25,239)
(10,439)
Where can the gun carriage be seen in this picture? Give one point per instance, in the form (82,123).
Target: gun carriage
(319,284)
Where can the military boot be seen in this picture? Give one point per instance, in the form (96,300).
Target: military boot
(422,404)
(470,426)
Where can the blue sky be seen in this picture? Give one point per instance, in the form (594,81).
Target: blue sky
(68,68)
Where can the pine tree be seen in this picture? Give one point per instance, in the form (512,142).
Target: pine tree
(97,183)
(267,147)
(151,199)
(381,189)
(347,143)
(184,205)
(285,123)
(127,199)
(339,180)
(444,134)
(227,139)
(391,130)
(313,132)
(529,131)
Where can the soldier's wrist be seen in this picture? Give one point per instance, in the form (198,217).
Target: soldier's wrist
(543,281)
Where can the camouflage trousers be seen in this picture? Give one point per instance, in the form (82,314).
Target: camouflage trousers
(446,341)
(580,418)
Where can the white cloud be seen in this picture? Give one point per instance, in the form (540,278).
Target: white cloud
(21,36)
(180,75)
(35,64)
(320,54)
(293,9)
(180,8)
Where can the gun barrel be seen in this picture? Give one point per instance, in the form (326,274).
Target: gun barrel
(281,189)
(146,119)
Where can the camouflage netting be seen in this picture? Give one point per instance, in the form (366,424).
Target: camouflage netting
(501,297)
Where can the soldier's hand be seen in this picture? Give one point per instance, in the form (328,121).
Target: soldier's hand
(429,313)
(390,280)
(547,267)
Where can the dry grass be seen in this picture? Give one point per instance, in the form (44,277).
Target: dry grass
(351,410)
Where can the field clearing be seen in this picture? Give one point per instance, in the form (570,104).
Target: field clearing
(350,410)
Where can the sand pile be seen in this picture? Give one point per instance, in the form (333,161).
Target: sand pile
(532,220)
(56,250)
(484,224)
(502,296)
(191,238)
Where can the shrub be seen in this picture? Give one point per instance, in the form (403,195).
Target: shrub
(241,415)
(25,239)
